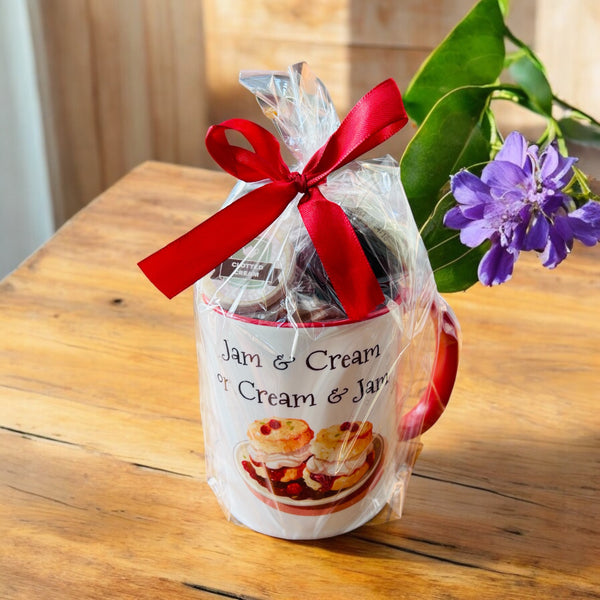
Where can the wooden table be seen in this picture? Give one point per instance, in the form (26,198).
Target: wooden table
(102,489)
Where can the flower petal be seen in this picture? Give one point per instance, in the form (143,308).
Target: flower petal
(537,236)
(469,189)
(475,233)
(552,201)
(557,247)
(505,176)
(555,169)
(496,266)
(514,150)
(589,212)
(455,219)
(584,223)
(517,239)
(474,212)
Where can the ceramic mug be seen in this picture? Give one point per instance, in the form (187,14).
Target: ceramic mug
(306,432)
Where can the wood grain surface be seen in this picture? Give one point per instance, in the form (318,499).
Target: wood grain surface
(102,491)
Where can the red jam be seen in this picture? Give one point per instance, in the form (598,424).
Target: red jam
(297,489)
(293,489)
(327,481)
(346,425)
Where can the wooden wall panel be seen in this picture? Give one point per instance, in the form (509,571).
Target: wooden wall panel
(64,62)
(350,44)
(336,38)
(389,23)
(121,82)
(566,40)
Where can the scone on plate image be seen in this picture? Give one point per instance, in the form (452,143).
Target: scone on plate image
(342,455)
(279,448)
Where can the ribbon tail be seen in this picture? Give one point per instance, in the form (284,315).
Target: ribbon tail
(185,260)
(342,255)
(377,116)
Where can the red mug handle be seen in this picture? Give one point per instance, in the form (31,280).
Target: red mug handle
(435,398)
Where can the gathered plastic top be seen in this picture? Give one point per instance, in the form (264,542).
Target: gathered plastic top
(299,106)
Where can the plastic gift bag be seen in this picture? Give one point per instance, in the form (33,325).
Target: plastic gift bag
(324,348)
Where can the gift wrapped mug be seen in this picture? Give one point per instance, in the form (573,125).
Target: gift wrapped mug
(306,429)
(313,292)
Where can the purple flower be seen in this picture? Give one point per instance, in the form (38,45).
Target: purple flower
(518,204)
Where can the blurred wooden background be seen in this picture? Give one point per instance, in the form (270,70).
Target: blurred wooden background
(122,81)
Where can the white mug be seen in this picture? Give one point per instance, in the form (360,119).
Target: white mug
(306,432)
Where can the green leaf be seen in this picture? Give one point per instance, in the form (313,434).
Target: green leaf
(504,6)
(529,74)
(575,112)
(472,54)
(454,265)
(449,138)
(457,133)
(476,149)
(580,131)
(462,273)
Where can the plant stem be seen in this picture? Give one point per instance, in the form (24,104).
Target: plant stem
(564,104)
(521,44)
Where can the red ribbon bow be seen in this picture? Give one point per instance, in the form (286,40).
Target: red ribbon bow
(378,115)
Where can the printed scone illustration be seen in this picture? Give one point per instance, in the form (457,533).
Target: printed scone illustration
(342,455)
(278,452)
(284,457)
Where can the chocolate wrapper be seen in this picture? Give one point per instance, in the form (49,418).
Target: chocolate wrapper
(312,420)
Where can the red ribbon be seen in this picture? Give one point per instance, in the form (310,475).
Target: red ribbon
(378,115)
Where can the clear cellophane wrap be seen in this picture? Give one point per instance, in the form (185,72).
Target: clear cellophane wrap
(304,410)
